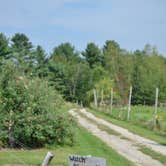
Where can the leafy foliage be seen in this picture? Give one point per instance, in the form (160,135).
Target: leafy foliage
(75,75)
(4,48)
(33,83)
(30,112)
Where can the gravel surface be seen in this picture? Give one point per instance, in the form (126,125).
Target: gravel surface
(126,147)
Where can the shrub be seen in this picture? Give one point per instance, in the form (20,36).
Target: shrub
(30,112)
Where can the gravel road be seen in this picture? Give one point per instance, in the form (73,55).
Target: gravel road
(127,147)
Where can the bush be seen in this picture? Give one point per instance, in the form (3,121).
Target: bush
(30,112)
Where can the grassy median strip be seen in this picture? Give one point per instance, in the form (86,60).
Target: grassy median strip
(104,128)
(101,127)
(153,154)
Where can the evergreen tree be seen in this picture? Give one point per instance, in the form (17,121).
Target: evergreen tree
(93,55)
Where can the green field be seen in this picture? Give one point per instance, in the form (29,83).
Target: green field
(141,121)
(86,144)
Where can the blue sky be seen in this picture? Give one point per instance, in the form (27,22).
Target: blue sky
(132,23)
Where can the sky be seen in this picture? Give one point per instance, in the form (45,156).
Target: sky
(131,23)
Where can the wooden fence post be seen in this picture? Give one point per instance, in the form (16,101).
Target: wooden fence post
(81,104)
(111,100)
(47,159)
(95,97)
(129,104)
(156,101)
(156,122)
(102,96)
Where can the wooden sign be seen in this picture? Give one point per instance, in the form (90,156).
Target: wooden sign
(75,160)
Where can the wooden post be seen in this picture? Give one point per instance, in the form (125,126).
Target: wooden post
(95,97)
(129,104)
(81,104)
(111,100)
(156,122)
(156,101)
(10,129)
(102,96)
(47,159)
(102,101)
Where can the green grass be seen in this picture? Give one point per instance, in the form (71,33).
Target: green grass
(132,126)
(153,154)
(86,144)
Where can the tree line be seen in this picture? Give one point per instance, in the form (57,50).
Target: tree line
(75,74)
(34,85)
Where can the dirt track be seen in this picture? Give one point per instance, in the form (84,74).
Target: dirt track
(126,147)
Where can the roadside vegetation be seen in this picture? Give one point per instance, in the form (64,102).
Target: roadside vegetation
(35,87)
(141,122)
(86,144)
(31,112)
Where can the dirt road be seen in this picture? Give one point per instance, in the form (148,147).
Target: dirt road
(127,147)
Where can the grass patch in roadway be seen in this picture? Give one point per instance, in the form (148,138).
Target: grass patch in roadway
(100,126)
(153,154)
